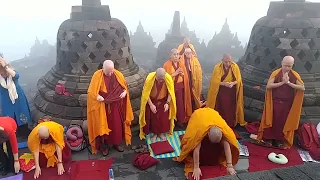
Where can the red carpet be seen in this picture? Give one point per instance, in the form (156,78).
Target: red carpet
(209,172)
(49,174)
(91,170)
(258,157)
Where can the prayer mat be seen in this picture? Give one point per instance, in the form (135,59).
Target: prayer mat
(91,169)
(174,141)
(209,172)
(258,158)
(50,173)
(16,177)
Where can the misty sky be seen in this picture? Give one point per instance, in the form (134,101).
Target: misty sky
(23,20)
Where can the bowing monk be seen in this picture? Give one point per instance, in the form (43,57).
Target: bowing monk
(193,74)
(186,44)
(46,143)
(282,108)
(225,93)
(158,105)
(181,87)
(208,141)
(109,110)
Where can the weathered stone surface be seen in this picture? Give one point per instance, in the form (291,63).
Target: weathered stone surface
(84,41)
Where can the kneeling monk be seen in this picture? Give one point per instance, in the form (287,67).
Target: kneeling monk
(158,105)
(282,108)
(109,110)
(46,139)
(208,141)
(225,93)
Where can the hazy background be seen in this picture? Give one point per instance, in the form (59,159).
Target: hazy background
(23,20)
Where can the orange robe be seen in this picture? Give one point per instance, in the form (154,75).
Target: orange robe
(181,49)
(199,125)
(49,148)
(227,101)
(182,92)
(282,110)
(97,111)
(193,71)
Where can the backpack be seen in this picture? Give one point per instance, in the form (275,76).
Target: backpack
(308,136)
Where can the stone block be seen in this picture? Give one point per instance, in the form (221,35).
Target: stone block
(291,173)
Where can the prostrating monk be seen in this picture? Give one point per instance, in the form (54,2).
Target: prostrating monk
(208,141)
(282,108)
(47,140)
(186,44)
(193,71)
(181,87)
(225,93)
(158,105)
(109,110)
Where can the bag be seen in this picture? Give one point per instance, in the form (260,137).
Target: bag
(308,136)
(78,144)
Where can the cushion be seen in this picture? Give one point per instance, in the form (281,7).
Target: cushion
(161,147)
(144,161)
(315,154)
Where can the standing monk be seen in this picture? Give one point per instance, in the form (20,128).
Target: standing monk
(46,143)
(282,108)
(109,110)
(186,44)
(208,141)
(181,87)
(225,93)
(193,72)
(158,105)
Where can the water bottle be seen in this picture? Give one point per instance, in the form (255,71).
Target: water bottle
(111,176)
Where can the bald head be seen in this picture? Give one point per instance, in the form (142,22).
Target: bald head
(174,55)
(160,74)
(226,60)
(287,63)
(215,134)
(108,67)
(43,132)
(186,40)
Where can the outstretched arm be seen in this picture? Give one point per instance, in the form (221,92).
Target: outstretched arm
(196,155)
(227,152)
(59,153)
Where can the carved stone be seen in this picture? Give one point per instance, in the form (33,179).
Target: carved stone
(84,41)
(290,28)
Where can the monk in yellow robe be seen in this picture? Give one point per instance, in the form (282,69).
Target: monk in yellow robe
(186,44)
(158,105)
(181,87)
(208,141)
(47,139)
(109,110)
(193,72)
(282,108)
(225,93)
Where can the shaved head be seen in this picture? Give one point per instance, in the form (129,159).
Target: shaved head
(160,73)
(174,55)
(43,132)
(215,134)
(226,60)
(287,63)
(108,67)
(186,40)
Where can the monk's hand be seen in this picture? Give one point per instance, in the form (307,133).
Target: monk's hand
(196,173)
(231,170)
(123,94)
(37,172)
(166,107)
(16,167)
(153,108)
(100,98)
(2,62)
(60,169)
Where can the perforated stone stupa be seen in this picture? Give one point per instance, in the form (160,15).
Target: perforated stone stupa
(291,27)
(84,41)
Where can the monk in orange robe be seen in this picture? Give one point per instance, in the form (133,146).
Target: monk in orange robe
(193,72)
(181,87)
(225,93)
(208,141)
(282,108)
(109,110)
(158,105)
(47,139)
(186,44)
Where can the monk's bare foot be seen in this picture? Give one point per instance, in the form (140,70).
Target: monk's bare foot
(163,137)
(153,138)
(119,148)
(105,152)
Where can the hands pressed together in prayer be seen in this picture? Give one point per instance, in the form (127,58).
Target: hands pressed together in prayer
(178,72)
(3,62)
(228,84)
(285,78)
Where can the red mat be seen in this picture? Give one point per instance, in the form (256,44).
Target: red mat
(209,172)
(49,174)
(258,157)
(91,170)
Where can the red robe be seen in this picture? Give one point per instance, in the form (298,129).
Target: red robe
(282,98)
(179,92)
(210,152)
(226,101)
(115,112)
(157,123)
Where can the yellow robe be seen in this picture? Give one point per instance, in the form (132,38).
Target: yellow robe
(56,133)
(213,91)
(96,112)
(144,100)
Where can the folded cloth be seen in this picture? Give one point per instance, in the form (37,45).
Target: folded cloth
(90,169)
(315,154)
(144,161)
(209,172)
(161,147)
